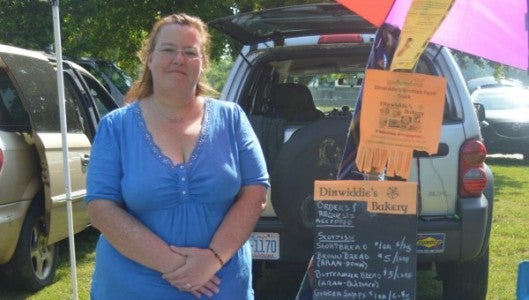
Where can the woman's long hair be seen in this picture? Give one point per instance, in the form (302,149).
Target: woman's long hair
(143,87)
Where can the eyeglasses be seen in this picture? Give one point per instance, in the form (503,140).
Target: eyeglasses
(189,53)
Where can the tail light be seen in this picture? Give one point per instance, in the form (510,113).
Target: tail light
(472,176)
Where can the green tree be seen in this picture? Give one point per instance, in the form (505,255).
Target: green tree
(115,29)
(474,67)
(110,29)
(218,72)
(26,23)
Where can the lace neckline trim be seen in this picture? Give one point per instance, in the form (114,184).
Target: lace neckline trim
(158,152)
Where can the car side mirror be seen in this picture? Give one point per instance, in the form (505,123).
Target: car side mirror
(480,111)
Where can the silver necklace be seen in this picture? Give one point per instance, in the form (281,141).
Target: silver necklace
(164,114)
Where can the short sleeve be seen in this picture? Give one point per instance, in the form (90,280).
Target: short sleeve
(105,169)
(251,158)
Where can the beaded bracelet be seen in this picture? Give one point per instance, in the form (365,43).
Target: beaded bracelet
(217,256)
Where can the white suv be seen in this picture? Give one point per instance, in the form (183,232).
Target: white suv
(297,78)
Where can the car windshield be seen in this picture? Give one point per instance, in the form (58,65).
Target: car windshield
(122,81)
(513,99)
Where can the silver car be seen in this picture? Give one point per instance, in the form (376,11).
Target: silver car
(506,125)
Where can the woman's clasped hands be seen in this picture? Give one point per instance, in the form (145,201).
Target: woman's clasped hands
(197,274)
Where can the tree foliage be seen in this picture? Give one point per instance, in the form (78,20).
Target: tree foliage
(111,29)
(115,29)
(26,23)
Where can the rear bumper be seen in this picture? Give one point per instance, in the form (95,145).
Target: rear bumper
(11,220)
(460,238)
(465,236)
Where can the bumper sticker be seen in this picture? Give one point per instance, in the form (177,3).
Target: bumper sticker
(430,242)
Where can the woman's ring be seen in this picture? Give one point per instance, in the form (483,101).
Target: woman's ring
(188,285)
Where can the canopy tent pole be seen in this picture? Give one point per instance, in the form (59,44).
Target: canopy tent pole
(64,131)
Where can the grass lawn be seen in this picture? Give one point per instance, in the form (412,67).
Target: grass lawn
(509,245)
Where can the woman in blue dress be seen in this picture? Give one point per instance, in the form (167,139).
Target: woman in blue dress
(176,180)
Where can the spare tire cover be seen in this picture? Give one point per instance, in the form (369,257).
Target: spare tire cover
(312,153)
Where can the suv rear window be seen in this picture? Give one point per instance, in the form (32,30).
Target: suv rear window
(334,79)
(37,84)
(38,88)
(333,90)
(13,116)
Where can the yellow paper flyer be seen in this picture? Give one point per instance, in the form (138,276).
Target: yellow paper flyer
(423,19)
(401,112)
(386,197)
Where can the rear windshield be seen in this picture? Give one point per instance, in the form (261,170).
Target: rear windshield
(505,99)
(37,81)
(13,116)
(334,80)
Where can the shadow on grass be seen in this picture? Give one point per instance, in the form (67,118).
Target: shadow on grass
(503,181)
(505,161)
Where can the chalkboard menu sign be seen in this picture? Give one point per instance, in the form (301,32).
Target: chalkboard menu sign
(364,240)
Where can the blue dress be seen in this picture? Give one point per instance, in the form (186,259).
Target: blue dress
(184,204)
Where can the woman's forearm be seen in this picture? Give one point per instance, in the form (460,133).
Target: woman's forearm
(239,222)
(131,238)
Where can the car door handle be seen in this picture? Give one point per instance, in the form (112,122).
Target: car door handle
(85,158)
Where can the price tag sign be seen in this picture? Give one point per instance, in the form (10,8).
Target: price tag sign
(364,240)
